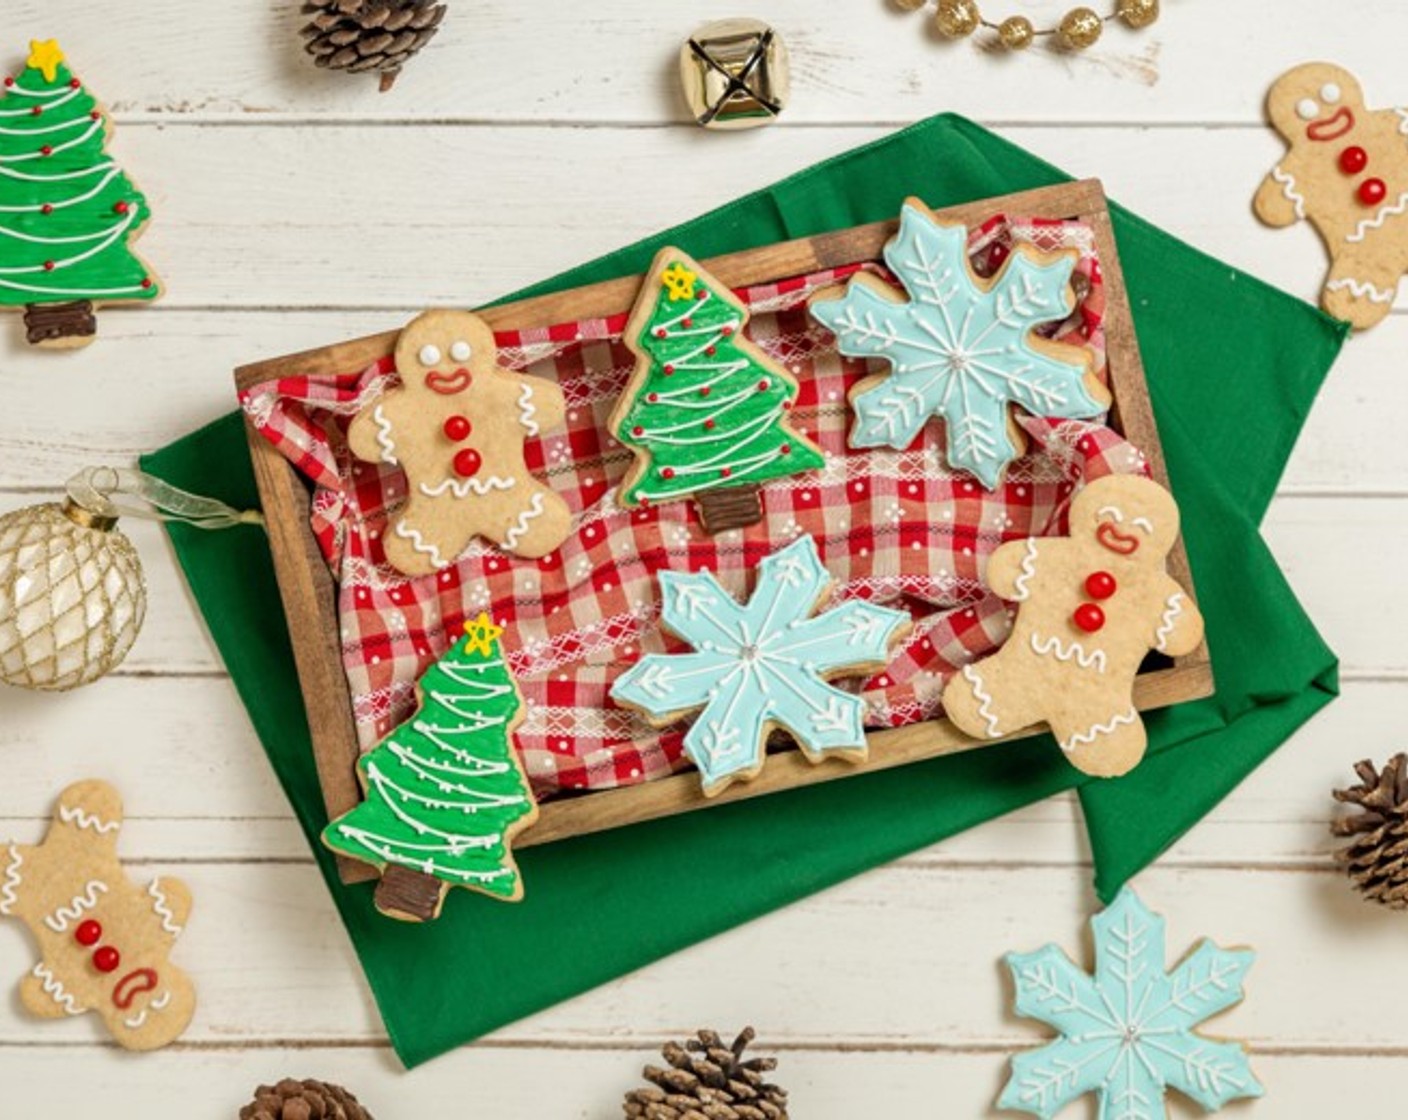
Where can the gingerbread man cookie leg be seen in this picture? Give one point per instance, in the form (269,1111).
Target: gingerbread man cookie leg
(1099,741)
(1361,292)
(103,940)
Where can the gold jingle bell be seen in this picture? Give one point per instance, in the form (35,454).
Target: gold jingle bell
(957,18)
(735,74)
(1138,13)
(1016,33)
(1080,28)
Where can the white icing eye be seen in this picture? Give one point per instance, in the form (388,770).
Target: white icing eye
(1330,93)
(429,355)
(1111,512)
(1145,524)
(1307,109)
(461,351)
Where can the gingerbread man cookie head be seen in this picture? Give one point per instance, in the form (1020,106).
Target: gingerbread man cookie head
(1316,103)
(440,352)
(1136,519)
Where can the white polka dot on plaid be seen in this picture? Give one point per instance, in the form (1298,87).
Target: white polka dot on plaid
(893,526)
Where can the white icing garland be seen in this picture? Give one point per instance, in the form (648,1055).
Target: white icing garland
(1172,611)
(110,237)
(1359,289)
(419,544)
(464,487)
(1020,590)
(8,897)
(55,990)
(527,410)
(1074,651)
(383,436)
(1392,210)
(517,531)
(93,126)
(41,131)
(79,905)
(1085,738)
(113,171)
(73,814)
(984,699)
(163,911)
(64,97)
(1288,189)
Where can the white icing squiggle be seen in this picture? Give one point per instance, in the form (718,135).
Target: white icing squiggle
(1086,659)
(419,543)
(526,410)
(72,814)
(383,436)
(1169,620)
(1359,289)
(56,991)
(80,904)
(8,897)
(518,530)
(1085,738)
(163,911)
(1376,222)
(1288,188)
(984,699)
(1020,589)
(464,487)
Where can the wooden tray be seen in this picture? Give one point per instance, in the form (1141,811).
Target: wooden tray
(308,593)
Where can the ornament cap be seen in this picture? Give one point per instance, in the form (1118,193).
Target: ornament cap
(86,518)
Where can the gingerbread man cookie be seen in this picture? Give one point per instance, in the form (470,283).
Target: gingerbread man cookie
(456,426)
(103,941)
(1347,173)
(1090,607)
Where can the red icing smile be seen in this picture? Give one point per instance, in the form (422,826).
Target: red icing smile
(447,384)
(134,984)
(1115,541)
(1331,128)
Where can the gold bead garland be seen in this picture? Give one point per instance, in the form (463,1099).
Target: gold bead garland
(1079,28)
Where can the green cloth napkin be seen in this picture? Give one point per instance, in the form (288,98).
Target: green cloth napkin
(1233,367)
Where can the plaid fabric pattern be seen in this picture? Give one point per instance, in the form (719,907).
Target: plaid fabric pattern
(895,527)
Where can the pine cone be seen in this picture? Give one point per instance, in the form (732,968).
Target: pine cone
(303,1100)
(361,35)
(1376,860)
(709,1081)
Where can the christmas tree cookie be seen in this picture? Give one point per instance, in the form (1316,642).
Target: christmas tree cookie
(961,348)
(761,665)
(705,411)
(68,214)
(446,793)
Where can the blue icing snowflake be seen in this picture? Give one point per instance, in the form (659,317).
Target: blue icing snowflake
(958,350)
(1127,1033)
(759,663)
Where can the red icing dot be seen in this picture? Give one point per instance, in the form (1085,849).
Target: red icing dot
(668,472)
(653,398)
(669,369)
(637,431)
(725,472)
(711,351)
(74,83)
(106,959)
(46,209)
(95,115)
(1100,585)
(689,322)
(147,283)
(38,110)
(1372,192)
(88,933)
(467,462)
(785,449)
(1089,617)
(661,332)
(786,406)
(457,428)
(702,295)
(1353,160)
(704,392)
(728,332)
(48,266)
(46,150)
(9,82)
(763,385)
(709,424)
(120,208)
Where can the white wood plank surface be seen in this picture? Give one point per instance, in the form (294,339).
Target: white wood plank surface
(295,207)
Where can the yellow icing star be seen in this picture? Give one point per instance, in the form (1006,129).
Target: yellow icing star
(482,635)
(679,281)
(45,56)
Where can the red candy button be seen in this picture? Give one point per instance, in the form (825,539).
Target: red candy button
(1100,585)
(1372,192)
(88,933)
(467,463)
(457,428)
(1353,160)
(1089,617)
(106,959)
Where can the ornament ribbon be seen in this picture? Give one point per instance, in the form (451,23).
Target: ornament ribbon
(96,489)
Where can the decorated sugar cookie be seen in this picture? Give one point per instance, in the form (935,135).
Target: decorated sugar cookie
(445,792)
(456,426)
(761,665)
(1346,172)
(104,941)
(1089,608)
(705,411)
(960,348)
(68,213)
(1127,1033)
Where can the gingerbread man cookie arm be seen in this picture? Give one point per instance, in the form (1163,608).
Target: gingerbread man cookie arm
(1178,630)
(88,816)
(171,902)
(371,435)
(44,996)
(1012,567)
(1360,289)
(541,406)
(1278,200)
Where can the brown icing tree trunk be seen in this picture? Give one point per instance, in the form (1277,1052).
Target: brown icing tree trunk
(412,895)
(736,507)
(55,322)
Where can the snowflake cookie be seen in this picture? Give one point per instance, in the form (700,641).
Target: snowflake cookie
(760,665)
(961,348)
(1126,1033)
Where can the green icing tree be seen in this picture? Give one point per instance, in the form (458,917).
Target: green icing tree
(706,410)
(67,211)
(445,791)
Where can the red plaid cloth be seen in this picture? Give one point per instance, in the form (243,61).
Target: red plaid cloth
(895,527)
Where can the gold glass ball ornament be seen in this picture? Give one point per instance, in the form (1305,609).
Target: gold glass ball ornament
(1016,33)
(72,596)
(735,74)
(957,18)
(909,5)
(1079,28)
(1138,13)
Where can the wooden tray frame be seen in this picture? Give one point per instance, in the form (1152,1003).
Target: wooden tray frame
(309,595)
